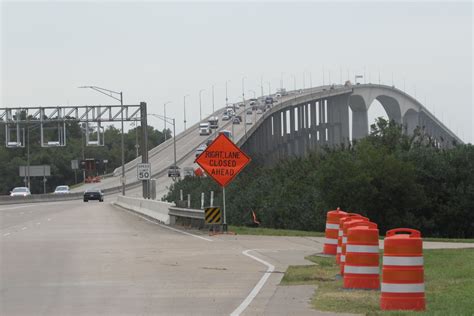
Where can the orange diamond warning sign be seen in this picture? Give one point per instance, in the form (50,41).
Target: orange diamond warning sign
(222,160)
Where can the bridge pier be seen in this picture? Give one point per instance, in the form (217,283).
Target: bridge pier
(360,123)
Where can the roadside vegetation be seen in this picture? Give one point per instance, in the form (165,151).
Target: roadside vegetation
(394,179)
(59,158)
(449,284)
(242,230)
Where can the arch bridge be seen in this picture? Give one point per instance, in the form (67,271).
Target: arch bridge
(321,117)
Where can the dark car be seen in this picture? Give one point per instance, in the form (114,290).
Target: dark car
(236,120)
(93,194)
(209,141)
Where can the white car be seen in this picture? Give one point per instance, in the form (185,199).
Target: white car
(20,191)
(200,149)
(62,189)
(259,111)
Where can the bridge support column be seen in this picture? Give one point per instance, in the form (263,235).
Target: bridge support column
(292,132)
(411,120)
(360,124)
(338,120)
(314,125)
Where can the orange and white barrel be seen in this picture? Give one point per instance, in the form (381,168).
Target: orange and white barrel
(332,228)
(361,269)
(403,286)
(348,224)
(343,219)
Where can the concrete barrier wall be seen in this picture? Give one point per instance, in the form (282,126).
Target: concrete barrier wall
(36,198)
(155,209)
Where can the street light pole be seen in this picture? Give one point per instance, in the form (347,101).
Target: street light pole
(173,122)
(187,95)
(200,106)
(245,110)
(111,93)
(123,145)
(294,82)
(213,99)
(164,110)
(226,97)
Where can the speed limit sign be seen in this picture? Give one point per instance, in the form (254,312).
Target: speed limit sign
(143,171)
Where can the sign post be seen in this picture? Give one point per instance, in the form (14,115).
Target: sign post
(222,160)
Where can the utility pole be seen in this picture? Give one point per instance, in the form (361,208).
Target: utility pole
(212,99)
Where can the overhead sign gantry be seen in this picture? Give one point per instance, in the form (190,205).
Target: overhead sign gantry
(53,122)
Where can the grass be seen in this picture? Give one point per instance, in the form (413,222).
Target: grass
(242,230)
(449,285)
(467,240)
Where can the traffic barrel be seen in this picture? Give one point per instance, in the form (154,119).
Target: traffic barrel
(348,224)
(332,228)
(342,220)
(361,269)
(403,286)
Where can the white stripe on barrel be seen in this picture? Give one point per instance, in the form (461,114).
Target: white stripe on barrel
(360,248)
(339,249)
(330,241)
(344,240)
(402,261)
(332,226)
(361,269)
(403,288)
(340,233)
(343,258)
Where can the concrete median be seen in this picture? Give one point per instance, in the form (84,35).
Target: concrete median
(154,209)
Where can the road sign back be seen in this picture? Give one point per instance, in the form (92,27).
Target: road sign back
(222,160)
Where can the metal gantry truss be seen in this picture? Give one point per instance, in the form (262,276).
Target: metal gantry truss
(16,119)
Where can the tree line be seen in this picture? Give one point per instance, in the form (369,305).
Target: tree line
(394,179)
(59,158)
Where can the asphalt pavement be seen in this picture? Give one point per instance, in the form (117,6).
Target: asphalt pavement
(93,258)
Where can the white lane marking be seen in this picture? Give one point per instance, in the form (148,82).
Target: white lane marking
(23,228)
(170,228)
(38,223)
(257,287)
(33,205)
(49,219)
(6,234)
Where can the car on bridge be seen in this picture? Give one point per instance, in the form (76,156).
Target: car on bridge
(200,149)
(226,133)
(235,120)
(93,194)
(62,189)
(20,191)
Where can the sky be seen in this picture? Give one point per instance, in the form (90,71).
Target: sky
(158,52)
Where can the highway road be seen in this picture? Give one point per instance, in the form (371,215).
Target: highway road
(75,258)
